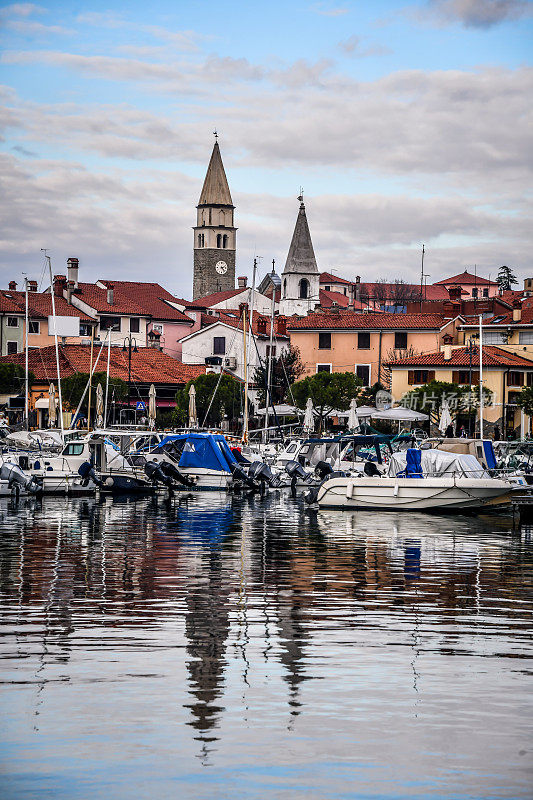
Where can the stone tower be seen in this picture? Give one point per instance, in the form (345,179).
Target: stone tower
(300,280)
(214,233)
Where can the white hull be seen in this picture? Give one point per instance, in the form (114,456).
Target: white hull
(405,494)
(206,479)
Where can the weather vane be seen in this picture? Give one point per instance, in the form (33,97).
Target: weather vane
(215,134)
(301,195)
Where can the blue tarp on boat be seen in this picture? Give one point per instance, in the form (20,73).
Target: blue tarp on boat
(202,450)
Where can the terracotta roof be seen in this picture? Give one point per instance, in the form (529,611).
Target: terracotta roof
(327,299)
(8,303)
(235,321)
(467,278)
(148,365)
(492,357)
(212,299)
(40,306)
(347,321)
(132,297)
(328,277)
(410,291)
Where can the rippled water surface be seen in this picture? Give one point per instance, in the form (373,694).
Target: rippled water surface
(211,647)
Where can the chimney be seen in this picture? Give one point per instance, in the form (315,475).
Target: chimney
(60,283)
(72,271)
(110,294)
(447,351)
(32,286)
(70,289)
(517,311)
(261,326)
(281,326)
(455,293)
(13,286)
(447,307)
(242,282)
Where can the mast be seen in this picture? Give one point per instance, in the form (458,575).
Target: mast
(26,383)
(422,278)
(269,367)
(107,377)
(56,344)
(480,376)
(90,381)
(246,371)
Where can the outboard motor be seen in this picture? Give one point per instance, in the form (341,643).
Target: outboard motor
(17,480)
(261,472)
(370,470)
(295,471)
(311,494)
(155,474)
(241,477)
(87,473)
(174,474)
(322,469)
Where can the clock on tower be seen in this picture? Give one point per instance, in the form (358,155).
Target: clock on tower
(214,233)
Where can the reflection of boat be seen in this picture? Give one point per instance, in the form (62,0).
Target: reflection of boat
(205,524)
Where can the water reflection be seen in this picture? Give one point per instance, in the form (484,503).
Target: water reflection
(244,610)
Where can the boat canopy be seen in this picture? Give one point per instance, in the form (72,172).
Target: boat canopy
(199,450)
(439,463)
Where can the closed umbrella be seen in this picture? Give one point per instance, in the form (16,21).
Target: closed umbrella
(445,417)
(353,419)
(52,416)
(193,419)
(99,406)
(309,421)
(152,408)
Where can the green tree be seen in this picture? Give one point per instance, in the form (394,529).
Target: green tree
(12,378)
(286,369)
(227,400)
(328,391)
(429,399)
(505,278)
(525,400)
(73,387)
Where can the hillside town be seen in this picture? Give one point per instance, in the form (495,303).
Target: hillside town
(391,334)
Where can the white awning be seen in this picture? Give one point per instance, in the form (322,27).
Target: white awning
(42,402)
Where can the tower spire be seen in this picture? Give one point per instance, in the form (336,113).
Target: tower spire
(301,256)
(215,190)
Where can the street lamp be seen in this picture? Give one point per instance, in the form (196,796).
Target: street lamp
(470,349)
(132,344)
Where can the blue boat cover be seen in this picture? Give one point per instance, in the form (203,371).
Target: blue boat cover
(488,451)
(202,450)
(413,466)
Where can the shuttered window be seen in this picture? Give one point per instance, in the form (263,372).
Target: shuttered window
(419,376)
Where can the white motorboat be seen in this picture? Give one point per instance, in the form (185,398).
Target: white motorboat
(442,481)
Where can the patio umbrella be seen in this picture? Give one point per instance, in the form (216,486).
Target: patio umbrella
(152,408)
(99,406)
(445,417)
(401,414)
(193,419)
(52,416)
(353,419)
(309,422)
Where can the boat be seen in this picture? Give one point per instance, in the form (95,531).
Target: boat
(422,480)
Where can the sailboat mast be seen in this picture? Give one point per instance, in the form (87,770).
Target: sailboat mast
(269,359)
(56,344)
(246,346)
(26,383)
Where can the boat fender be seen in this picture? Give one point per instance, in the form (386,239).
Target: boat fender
(109,482)
(349,490)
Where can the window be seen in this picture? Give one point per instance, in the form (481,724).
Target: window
(345,292)
(363,372)
(515,379)
(496,337)
(400,340)
(324,341)
(73,449)
(485,292)
(201,239)
(462,377)
(474,292)
(327,288)
(109,322)
(134,325)
(221,219)
(219,345)
(225,240)
(34,326)
(323,367)
(85,329)
(524,337)
(304,289)
(363,341)
(12,347)
(12,322)
(219,240)
(270,353)
(419,376)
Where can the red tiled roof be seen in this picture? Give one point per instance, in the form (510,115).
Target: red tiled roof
(40,306)
(492,357)
(217,297)
(467,278)
(405,291)
(148,365)
(8,303)
(327,299)
(131,297)
(235,321)
(347,321)
(328,277)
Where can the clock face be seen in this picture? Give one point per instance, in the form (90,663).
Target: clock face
(221,267)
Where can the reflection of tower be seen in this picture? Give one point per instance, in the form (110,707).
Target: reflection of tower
(207,628)
(214,234)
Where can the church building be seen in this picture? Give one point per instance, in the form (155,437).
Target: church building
(300,280)
(214,234)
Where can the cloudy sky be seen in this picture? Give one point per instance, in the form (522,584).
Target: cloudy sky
(405,123)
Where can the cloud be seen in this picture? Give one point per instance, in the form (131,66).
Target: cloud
(352,46)
(479,13)
(21,10)
(182,40)
(32,28)
(328,11)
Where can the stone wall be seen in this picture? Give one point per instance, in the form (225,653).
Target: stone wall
(206,279)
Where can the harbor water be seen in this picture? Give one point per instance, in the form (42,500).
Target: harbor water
(211,646)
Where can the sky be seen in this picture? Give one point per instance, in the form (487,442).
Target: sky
(404,123)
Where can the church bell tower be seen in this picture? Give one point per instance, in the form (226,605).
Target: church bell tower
(214,233)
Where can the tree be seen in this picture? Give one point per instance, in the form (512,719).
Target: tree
(525,400)
(328,391)
(429,399)
(227,400)
(12,378)
(396,294)
(73,387)
(286,369)
(505,278)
